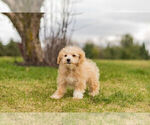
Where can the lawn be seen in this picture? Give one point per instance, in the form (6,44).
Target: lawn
(125,87)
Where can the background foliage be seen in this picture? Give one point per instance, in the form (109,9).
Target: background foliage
(11,49)
(127,49)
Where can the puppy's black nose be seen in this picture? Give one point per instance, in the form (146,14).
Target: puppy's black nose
(68,60)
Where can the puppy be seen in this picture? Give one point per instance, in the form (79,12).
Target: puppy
(76,71)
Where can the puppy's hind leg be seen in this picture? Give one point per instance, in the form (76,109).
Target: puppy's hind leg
(93,86)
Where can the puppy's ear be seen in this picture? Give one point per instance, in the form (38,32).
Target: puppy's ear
(59,56)
(81,57)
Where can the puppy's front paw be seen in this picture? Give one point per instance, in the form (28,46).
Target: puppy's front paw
(55,96)
(94,93)
(77,95)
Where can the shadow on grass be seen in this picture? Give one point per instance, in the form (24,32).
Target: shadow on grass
(119,97)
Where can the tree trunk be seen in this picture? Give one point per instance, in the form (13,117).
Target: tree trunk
(28,25)
(51,51)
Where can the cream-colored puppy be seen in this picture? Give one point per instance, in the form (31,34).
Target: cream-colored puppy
(76,71)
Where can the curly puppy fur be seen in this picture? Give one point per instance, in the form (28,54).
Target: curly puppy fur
(76,71)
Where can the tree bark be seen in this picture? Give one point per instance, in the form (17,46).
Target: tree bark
(52,51)
(24,5)
(28,25)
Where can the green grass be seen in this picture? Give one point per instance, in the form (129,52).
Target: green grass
(125,87)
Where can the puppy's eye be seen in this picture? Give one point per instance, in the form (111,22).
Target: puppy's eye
(74,55)
(65,55)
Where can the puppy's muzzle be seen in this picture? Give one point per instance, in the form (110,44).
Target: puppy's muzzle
(68,61)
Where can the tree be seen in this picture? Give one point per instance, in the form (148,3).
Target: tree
(91,50)
(57,35)
(112,52)
(143,52)
(11,49)
(127,40)
(28,25)
(127,47)
(1,49)
(127,50)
